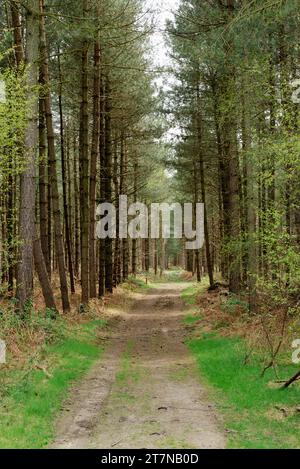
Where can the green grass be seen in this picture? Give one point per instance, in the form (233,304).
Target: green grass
(173,443)
(127,373)
(192,317)
(136,284)
(34,398)
(249,403)
(191,293)
(232,303)
(173,275)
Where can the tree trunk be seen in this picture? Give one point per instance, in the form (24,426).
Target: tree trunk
(108,187)
(134,241)
(122,192)
(125,246)
(147,254)
(43,185)
(232,208)
(93,169)
(102,185)
(11,198)
(196,200)
(59,245)
(27,180)
(84,171)
(210,268)
(41,269)
(17,31)
(155,257)
(76,209)
(250,201)
(222,175)
(116,279)
(64,180)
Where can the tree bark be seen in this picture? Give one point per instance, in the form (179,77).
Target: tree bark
(134,241)
(102,185)
(64,180)
(250,201)
(108,186)
(117,269)
(41,269)
(76,208)
(124,169)
(232,208)
(27,180)
(17,31)
(84,171)
(11,197)
(59,246)
(210,268)
(43,183)
(93,169)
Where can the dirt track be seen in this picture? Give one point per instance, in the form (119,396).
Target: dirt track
(144,392)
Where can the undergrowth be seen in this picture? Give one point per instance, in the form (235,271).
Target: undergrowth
(258,413)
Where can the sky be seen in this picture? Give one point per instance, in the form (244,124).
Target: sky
(162,11)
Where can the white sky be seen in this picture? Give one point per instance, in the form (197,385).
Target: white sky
(162,11)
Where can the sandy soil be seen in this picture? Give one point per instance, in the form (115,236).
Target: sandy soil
(145,391)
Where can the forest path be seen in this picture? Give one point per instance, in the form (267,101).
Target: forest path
(144,392)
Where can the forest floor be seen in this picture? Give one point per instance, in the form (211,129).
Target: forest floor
(162,365)
(145,391)
(231,351)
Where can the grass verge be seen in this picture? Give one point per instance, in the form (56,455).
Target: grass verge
(35,394)
(257,412)
(47,353)
(191,294)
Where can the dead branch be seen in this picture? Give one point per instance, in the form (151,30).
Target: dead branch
(292,380)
